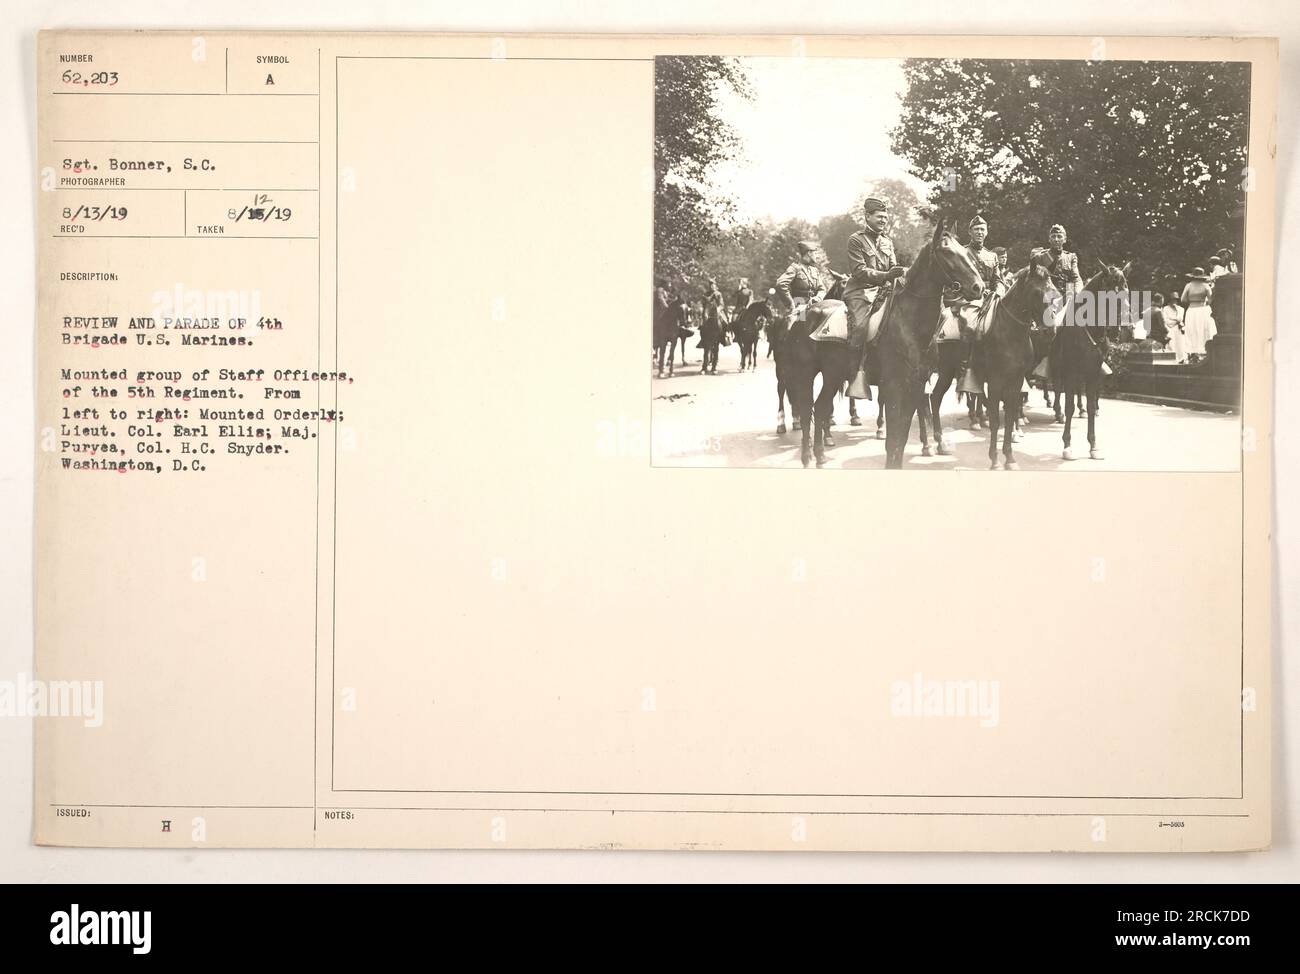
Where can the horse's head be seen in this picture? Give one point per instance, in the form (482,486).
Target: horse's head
(836,291)
(1113,279)
(1040,294)
(951,265)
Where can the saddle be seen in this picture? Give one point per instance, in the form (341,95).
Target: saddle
(968,317)
(837,327)
(834,325)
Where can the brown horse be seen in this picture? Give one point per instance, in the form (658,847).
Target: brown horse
(746,326)
(669,323)
(1081,344)
(1006,352)
(799,362)
(906,343)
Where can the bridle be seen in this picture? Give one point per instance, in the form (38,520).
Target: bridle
(1005,305)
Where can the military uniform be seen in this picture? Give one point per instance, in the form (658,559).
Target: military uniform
(711,328)
(986,262)
(871,257)
(1063,266)
(800,284)
(743,297)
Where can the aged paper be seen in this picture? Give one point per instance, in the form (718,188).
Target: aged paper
(363,523)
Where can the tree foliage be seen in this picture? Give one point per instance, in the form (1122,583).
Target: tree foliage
(1141,160)
(690,139)
(910,227)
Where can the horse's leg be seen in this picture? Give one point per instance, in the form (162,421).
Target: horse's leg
(1009,397)
(659,359)
(920,406)
(825,409)
(803,407)
(900,403)
(1067,391)
(1094,398)
(853,412)
(888,405)
(880,412)
(780,399)
(936,401)
(893,400)
(829,391)
(993,432)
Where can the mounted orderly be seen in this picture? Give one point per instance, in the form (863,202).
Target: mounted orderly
(742,299)
(1063,266)
(872,264)
(986,261)
(803,282)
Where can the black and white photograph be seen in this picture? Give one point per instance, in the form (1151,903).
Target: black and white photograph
(949,264)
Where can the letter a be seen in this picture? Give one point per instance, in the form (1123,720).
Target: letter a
(59,932)
(270,80)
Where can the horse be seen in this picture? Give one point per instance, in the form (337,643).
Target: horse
(949,358)
(801,359)
(1005,353)
(746,326)
(668,326)
(1080,346)
(777,330)
(906,343)
(686,331)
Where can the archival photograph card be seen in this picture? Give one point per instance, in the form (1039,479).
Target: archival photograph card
(938,518)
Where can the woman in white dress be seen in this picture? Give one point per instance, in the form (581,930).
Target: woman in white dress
(1173,317)
(1198,321)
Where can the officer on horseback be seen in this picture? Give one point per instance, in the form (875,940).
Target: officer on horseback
(871,264)
(712,328)
(803,282)
(1062,265)
(968,314)
(1005,277)
(744,295)
(986,261)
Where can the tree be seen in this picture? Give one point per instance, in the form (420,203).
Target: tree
(690,139)
(1139,160)
(783,248)
(909,230)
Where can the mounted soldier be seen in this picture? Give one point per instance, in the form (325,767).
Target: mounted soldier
(966,319)
(803,282)
(742,300)
(986,261)
(1005,277)
(712,326)
(1063,267)
(872,265)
